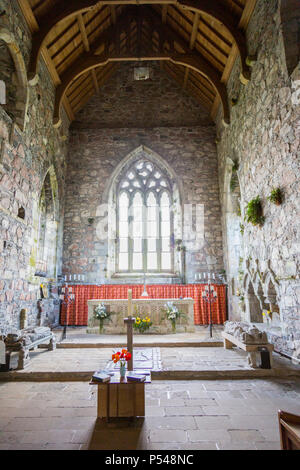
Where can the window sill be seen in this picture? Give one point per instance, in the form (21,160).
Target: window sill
(141,275)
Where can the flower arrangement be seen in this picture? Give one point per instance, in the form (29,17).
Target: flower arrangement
(101,314)
(254,212)
(275,196)
(122,357)
(142,324)
(172,314)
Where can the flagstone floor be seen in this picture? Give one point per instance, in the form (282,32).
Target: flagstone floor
(160,359)
(227,414)
(78,335)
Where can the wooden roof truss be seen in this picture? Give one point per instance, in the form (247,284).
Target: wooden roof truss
(83,41)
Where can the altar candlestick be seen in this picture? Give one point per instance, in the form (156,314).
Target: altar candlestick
(129,302)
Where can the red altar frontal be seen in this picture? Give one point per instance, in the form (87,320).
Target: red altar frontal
(77,313)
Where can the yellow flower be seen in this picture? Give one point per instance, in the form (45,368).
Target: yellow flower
(144,319)
(138,322)
(138,319)
(148,320)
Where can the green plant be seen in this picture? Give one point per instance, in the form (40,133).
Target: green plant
(242,229)
(275,196)
(254,212)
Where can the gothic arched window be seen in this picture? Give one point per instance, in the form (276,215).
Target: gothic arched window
(145,238)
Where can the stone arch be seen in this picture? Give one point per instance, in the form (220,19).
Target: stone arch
(45,227)
(272,296)
(18,86)
(290,23)
(260,295)
(232,230)
(253,306)
(109,204)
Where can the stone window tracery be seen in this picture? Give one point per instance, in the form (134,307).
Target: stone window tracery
(144,220)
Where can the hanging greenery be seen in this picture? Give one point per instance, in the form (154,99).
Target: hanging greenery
(254,212)
(275,196)
(234,181)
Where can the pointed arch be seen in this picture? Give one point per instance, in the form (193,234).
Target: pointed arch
(149,246)
(22,93)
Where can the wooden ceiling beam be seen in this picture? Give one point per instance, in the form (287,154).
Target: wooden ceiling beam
(86,44)
(244,21)
(83,33)
(66,9)
(194,30)
(90,61)
(164,13)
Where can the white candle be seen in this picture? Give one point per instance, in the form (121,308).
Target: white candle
(79,277)
(75,277)
(65,278)
(129,302)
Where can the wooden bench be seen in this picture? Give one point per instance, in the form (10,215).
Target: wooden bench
(289,430)
(251,349)
(23,349)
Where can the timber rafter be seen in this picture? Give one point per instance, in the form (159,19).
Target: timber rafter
(111,47)
(67,9)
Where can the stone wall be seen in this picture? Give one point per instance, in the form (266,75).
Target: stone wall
(263,138)
(162,118)
(25,158)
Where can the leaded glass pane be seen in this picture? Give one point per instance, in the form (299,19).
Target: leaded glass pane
(165,244)
(165,200)
(123,245)
(165,213)
(151,228)
(151,242)
(166,261)
(123,261)
(152,261)
(137,229)
(137,245)
(165,229)
(123,229)
(137,261)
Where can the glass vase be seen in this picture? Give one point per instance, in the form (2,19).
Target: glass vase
(122,370)
(101,327)
(173,327)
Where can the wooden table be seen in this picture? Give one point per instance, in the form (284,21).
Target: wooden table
(121,399)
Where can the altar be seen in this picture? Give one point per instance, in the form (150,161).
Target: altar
(153,308)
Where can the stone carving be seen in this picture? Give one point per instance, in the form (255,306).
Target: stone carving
(23,341)
(245,332)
